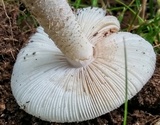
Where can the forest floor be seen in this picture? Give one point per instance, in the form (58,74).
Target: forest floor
(143,109)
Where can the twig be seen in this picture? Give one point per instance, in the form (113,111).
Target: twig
(144,2)
(158,45)
(103,4)
(10,24)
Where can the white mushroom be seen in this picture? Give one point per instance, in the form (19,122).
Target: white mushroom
(85,76)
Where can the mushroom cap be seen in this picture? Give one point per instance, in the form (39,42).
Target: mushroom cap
(47,86)
(95,24)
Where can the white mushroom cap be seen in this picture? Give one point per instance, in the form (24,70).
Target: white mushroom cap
(47,86)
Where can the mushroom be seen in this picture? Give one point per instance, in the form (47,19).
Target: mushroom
(81,75)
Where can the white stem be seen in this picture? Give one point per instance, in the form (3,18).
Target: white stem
(60,23)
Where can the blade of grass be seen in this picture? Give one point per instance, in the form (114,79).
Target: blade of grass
(80,6)
(138,4)
(134,19)
(128,7)
(77,4)
(120,17)
(94,3)
(151,5)
(126,85)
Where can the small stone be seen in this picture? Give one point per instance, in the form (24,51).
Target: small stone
(2,107)
(157,122)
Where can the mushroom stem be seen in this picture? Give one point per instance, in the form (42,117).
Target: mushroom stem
(60,23)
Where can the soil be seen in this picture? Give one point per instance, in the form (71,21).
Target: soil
(143,109)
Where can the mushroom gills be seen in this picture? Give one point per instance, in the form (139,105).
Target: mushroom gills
(45,85)
(96,24)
